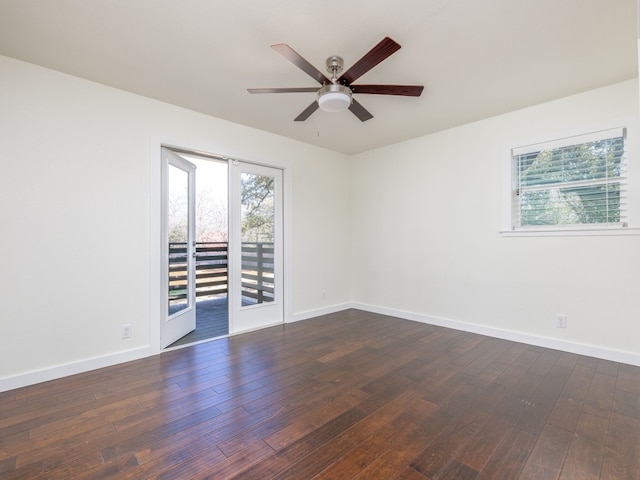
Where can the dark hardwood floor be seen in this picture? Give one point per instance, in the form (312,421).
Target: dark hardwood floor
(351,395)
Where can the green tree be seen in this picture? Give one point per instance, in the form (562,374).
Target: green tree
(572,184)
(257,200)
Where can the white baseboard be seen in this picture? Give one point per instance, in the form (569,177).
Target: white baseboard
(540,341)
(59,371)
(64,370)
(319,311)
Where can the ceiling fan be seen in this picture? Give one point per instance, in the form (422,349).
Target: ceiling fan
(336,93)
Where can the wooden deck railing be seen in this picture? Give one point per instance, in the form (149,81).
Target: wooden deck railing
(257,272)
(212,263)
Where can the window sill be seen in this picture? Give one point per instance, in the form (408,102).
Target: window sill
(568,232)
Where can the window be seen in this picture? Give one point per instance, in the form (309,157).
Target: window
(576,182)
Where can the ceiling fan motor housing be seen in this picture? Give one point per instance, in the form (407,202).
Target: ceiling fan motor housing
(335,64)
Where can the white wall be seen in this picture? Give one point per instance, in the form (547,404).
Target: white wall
(79,212)
(426,243)
(411,229)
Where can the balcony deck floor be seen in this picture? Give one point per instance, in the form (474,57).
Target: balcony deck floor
(212,320)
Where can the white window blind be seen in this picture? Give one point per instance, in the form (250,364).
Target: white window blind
(577,181)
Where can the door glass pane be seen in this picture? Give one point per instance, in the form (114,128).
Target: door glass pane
(178,234)
(257,202)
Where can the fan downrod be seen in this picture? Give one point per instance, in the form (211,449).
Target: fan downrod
(335,65)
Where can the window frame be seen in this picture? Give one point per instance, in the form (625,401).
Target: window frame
(509,229)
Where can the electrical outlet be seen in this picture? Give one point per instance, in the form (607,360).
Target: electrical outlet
(561,320)
(125,331)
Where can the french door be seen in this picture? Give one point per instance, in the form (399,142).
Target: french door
(178,248)
(255,272)
(256,297)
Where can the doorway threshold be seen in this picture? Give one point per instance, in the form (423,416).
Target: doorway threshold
(212,321)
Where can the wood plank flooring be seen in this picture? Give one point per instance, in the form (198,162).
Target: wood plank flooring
(351,395)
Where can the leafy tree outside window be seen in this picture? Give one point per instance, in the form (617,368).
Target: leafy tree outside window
(257,202)
(576,181)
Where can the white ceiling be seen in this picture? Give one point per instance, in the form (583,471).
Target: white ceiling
(475,58)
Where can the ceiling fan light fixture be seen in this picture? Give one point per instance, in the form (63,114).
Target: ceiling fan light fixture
(334,98)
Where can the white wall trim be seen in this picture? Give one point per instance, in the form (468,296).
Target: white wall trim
(316,312)
(94,363)
(540,341)
(604,232)
(64,370)
(67,369)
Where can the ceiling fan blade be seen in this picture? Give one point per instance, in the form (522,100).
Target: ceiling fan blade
(294,57)
(404,90)
(282,90)
(359,111)
(306,113)
(373,57)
